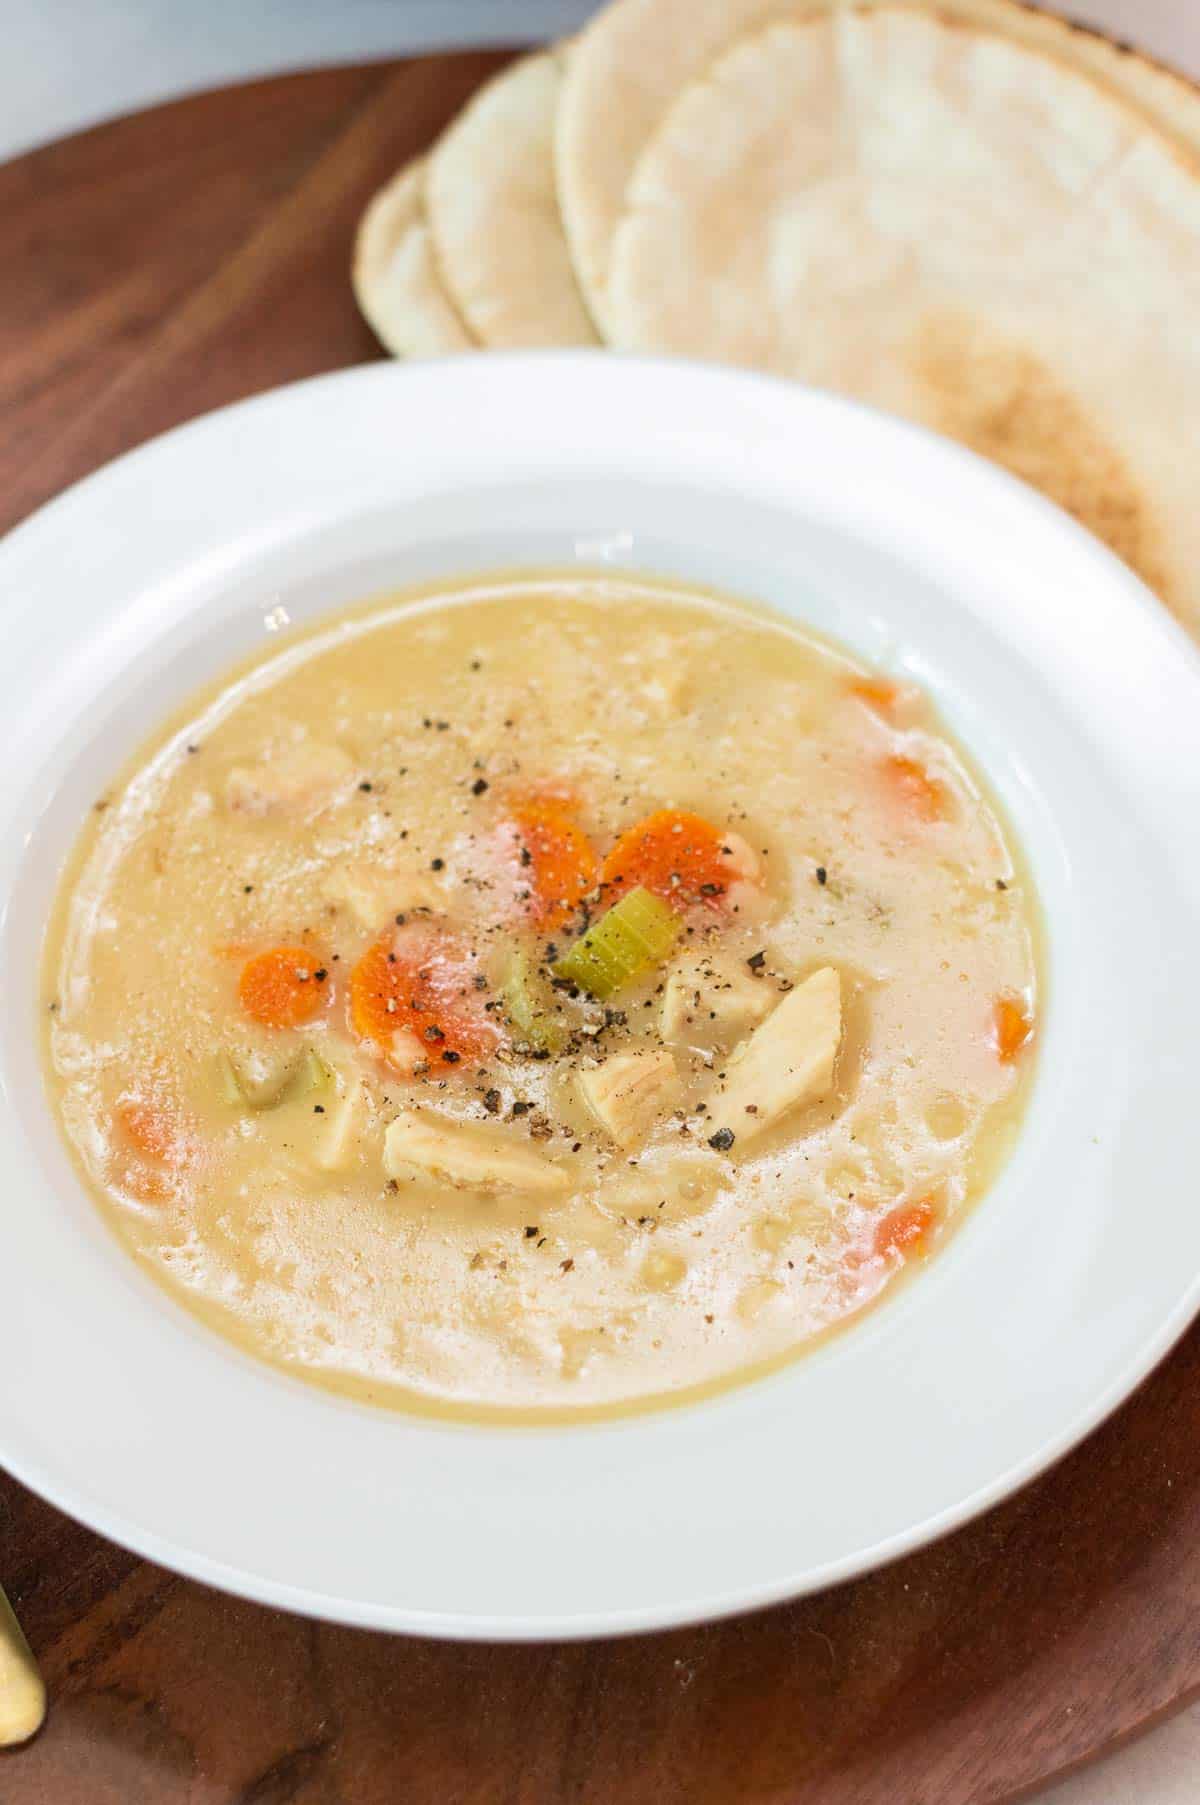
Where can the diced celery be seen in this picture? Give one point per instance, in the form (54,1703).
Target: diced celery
(637,933)
(283,1083)
(529,1006)
(311,1074)
(228,1084)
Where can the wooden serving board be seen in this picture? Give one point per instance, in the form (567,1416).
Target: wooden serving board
(159,267)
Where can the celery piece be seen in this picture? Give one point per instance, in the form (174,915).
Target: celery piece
(529,1007)
(229,1088)
(638,932)
(265,1090)
(284,1083)
(311,1073)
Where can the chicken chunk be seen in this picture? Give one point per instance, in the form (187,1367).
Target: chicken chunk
(347,1119)
(663,689)
(710,998)
(296,781)
(741,858)
(788,1060)
(374,896)
(628,1092)
(421,1143)
(665,695)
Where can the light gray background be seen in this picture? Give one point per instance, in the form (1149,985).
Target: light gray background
(66,64)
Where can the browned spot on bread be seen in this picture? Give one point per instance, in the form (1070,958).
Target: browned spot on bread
(1005,403)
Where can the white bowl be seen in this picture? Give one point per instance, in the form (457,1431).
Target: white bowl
(1070,685)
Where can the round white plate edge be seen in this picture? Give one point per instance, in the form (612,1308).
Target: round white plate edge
(147,1542)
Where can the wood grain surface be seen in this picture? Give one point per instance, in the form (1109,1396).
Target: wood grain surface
(156,268)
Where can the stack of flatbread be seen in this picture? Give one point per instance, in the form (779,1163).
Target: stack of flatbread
(972,214)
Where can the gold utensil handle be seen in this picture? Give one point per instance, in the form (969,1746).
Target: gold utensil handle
(22,1693)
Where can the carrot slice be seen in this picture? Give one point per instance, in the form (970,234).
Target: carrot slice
(151,1129)
(155,1134)
(677,856)
(876,692)
(284,987)
(421,985)
(906,1229)
(1012,1028)
(924,796)
(557,859)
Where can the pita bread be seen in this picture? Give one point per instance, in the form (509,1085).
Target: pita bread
(952,226)
(493,211)
(630,63)
(395,277)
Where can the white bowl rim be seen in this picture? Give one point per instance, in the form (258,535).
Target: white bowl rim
(261,462)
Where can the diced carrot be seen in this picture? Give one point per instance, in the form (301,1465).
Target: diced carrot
(284,987)
(147,1183)
(876,692)
(154,1136)
(151,1129)
(906,1229)
(924,796)
(1012,1028)
(677,856)
(419,984)
(559,865)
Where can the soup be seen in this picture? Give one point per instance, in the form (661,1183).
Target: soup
(553,993)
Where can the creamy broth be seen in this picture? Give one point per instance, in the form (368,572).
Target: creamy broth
(321,1045)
